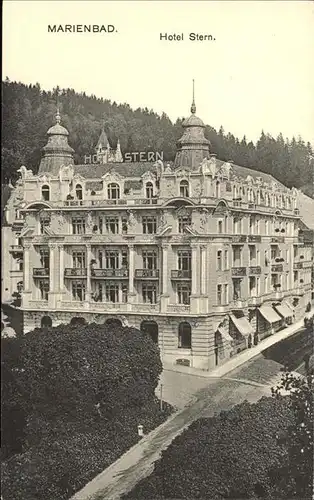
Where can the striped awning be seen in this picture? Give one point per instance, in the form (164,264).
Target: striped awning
(242,325)
(284,310)
(269,313)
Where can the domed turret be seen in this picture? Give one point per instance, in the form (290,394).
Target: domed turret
(57,151)
(193,146)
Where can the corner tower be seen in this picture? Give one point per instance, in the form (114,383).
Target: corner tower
(193,146)
(57,151)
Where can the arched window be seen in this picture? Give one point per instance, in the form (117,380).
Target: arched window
(113,191)
(45,192)
(77,321)
(217,189)
(184,189)
(114,322)
(79,192)
(149,190)
(46,322)
(151,329)
(184,335)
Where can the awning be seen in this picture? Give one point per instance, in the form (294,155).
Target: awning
(284,310)
(225,334)
(242,325)
(269,314)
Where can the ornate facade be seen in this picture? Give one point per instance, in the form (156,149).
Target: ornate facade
(203,255)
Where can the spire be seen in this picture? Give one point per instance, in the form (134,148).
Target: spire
(193,107)
(58,117)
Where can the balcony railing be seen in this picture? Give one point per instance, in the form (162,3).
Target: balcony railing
(181,274)
(178,308)
(16,248)
(75,272)
(277,239)
(239,238)
(254,300)
(298,265)
(146,273)
(255,270)
(238,303)
(110,273)
(40,271)
(238,271)
(277,268)
(254,238)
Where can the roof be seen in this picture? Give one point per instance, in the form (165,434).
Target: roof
(242,325)
(57,130)
(125,169)
(193,121)
(103,140)
(306,206)
(284,310)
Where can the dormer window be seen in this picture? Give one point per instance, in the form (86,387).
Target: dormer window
(79,192)
(184,189)
(149,190)
(45,192)
(113,191)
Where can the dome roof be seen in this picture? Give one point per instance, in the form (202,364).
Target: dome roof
(57,129)
(193,121)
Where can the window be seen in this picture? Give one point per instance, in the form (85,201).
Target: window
(112,224)
(274,252)
(112,259)
(237,225)
(236,282)
(78,225)
(44,258)
(44,222)
(266,227)
(226,259)
(183,293)
(125,258)
(184,260)
(184,189)
(219,295)
(149,259)
(79,192)
(112,292)
(252,286)
(184,221)
(124,293)
(45,192)
(78,290)
(219,260)
(124,225)
(217,189)
(113,191)
(149,224)
(44,289)
(184,336)
(220,227)
(21,265)
(226,293)
(79,259)
(149,189)
(149,293)
(252,252)
(237,256)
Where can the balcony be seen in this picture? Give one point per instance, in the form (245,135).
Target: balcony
(110,273)
(16,249)
(41,272)
(239,238)
(238,271)
(179,308)
(298,265)
(75,272)
(277,239)
(181,274)
(146,273)
(238,303)
(255,270)
(277,268)
(254,300)
(254,238)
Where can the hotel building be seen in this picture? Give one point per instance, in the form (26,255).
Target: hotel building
(203,255)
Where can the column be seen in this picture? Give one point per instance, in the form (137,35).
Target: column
(165,269)
(61,267)
(88,273)
(26,267)
(131,269)
(203,275)
(195,281)
(52,268)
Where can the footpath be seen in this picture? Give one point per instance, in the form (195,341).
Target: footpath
(220,394)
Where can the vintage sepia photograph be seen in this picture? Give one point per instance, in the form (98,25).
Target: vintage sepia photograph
(157,250)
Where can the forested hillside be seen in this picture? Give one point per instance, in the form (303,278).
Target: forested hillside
(28,112)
